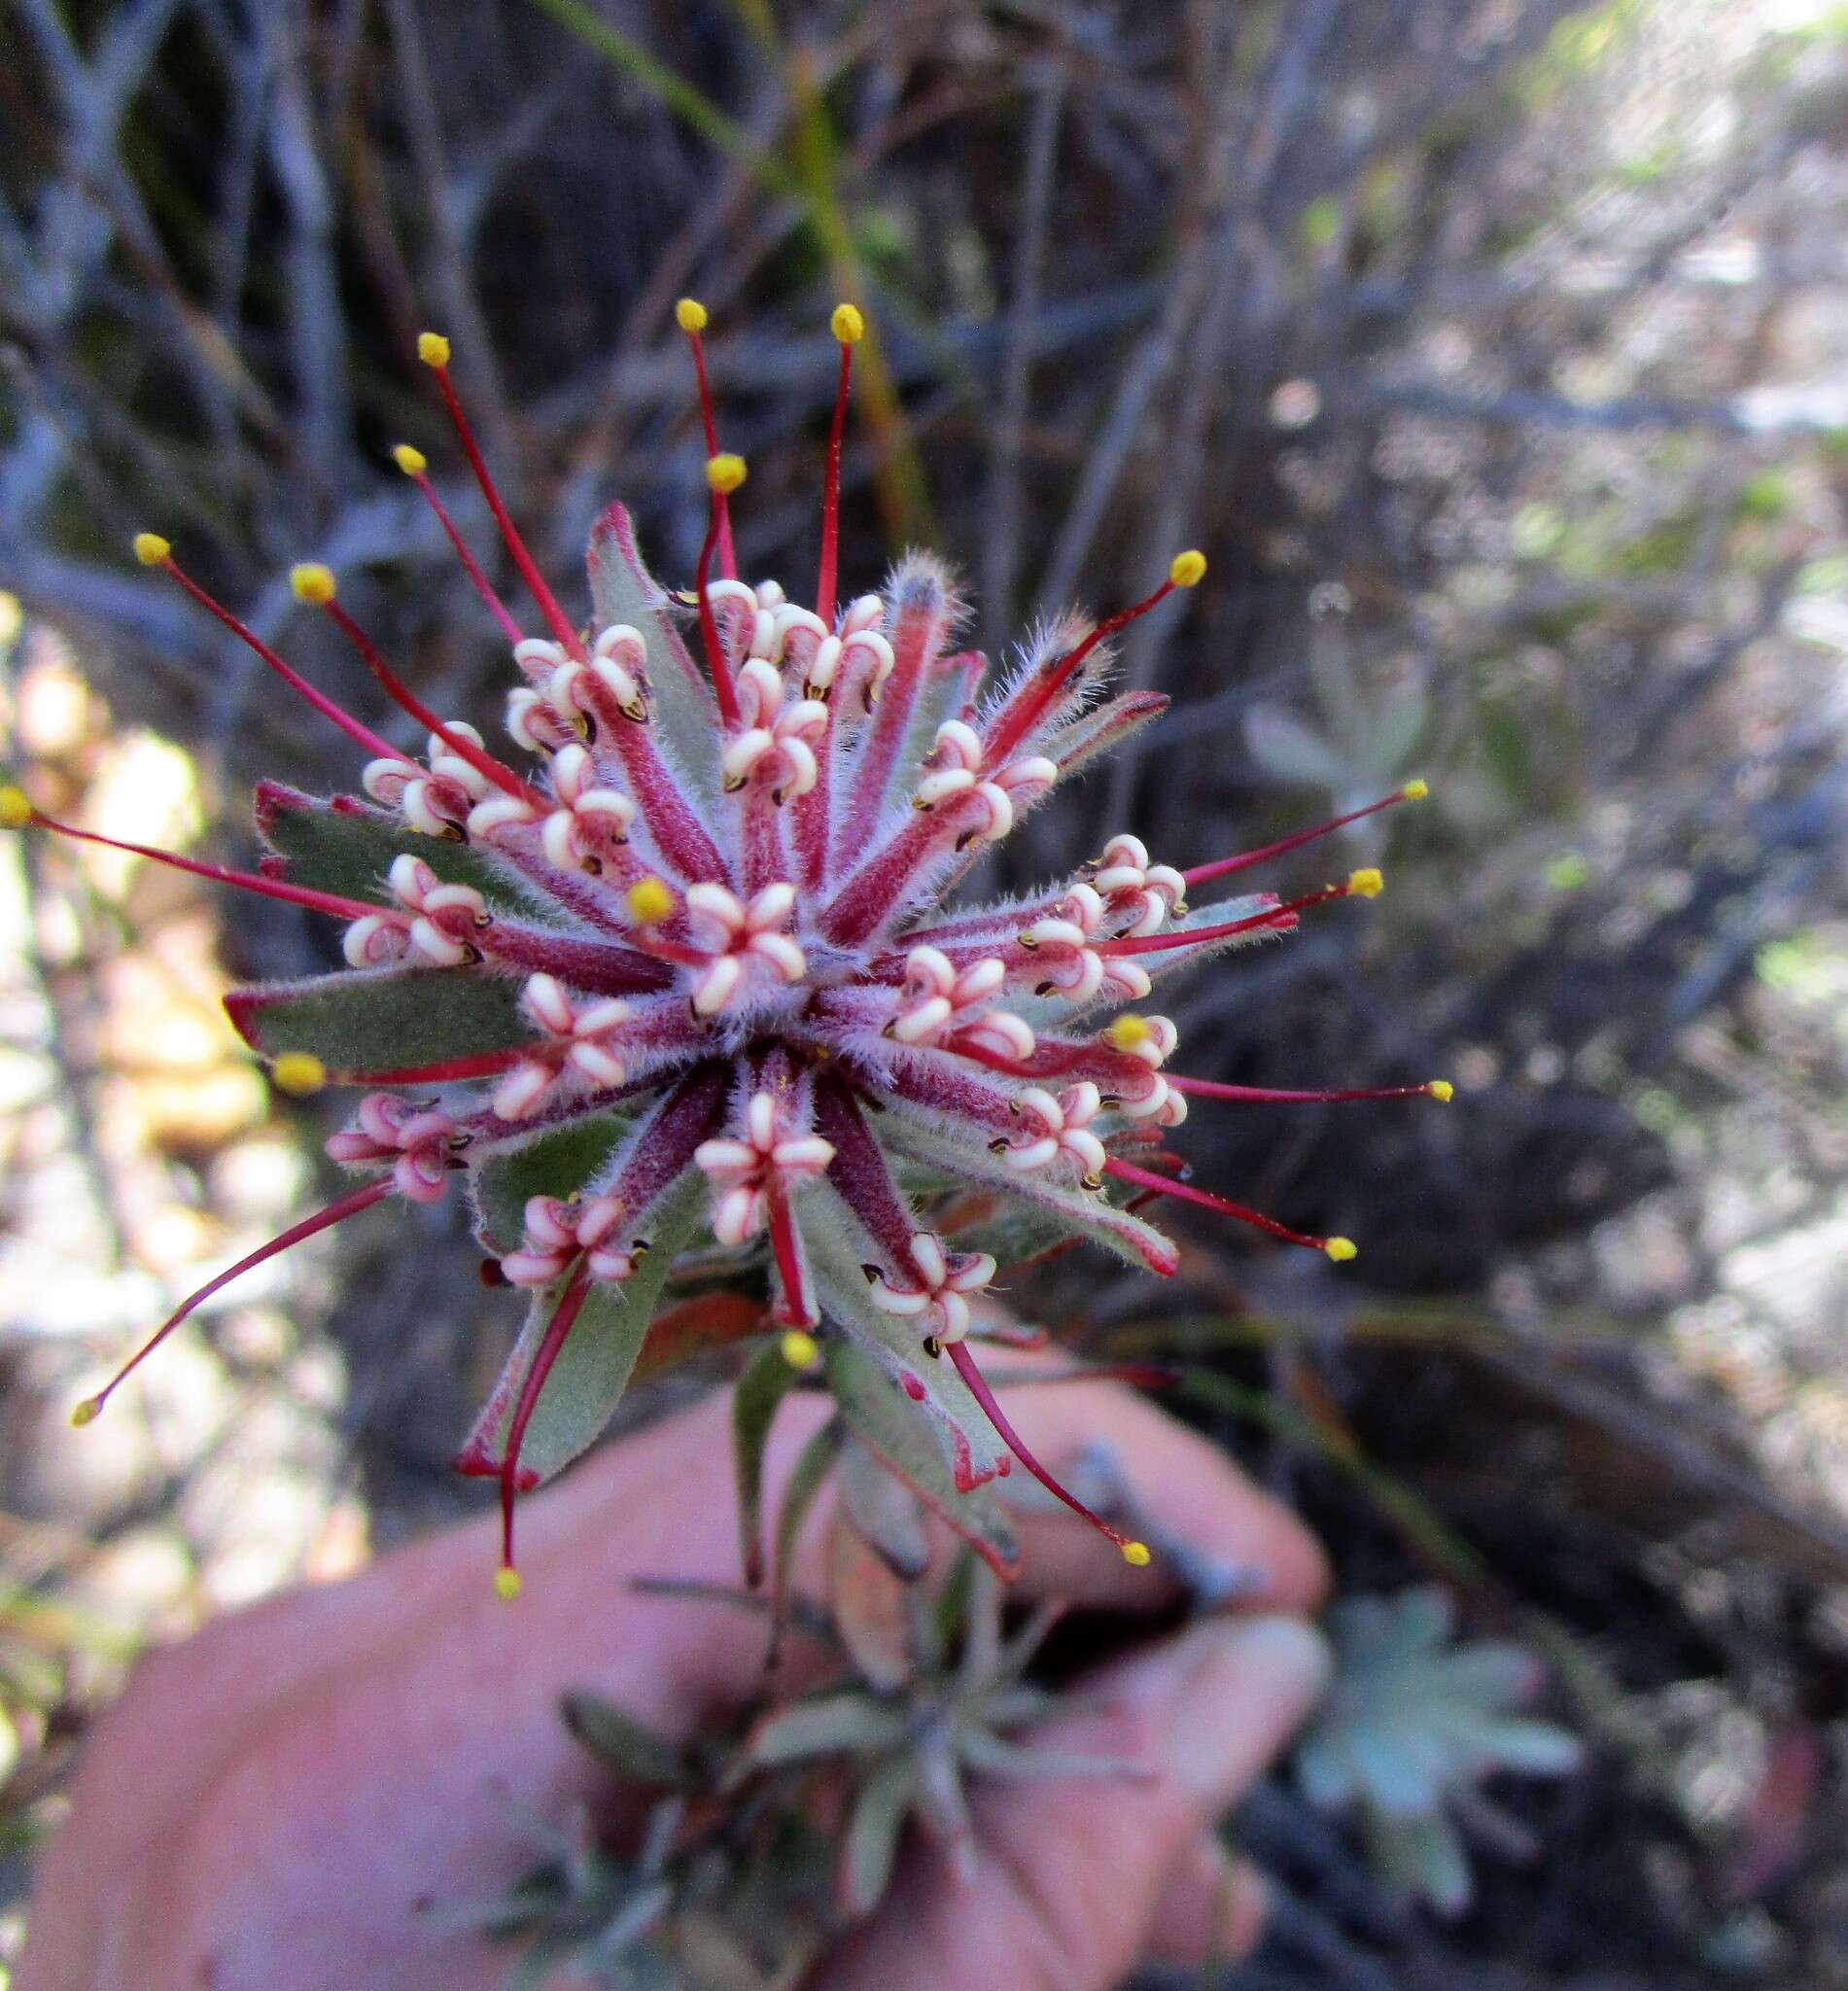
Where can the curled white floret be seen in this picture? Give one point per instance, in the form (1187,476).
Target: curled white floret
(940,1002)
(763,1157)
(1053,1126)
(590,817)
(1130,885)
(954,772)
(736,932)
(581,1035)
(935,1290)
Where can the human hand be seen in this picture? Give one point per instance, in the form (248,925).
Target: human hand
(269,1802)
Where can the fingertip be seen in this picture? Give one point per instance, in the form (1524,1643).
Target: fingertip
(1211,1911)
(1243,1548)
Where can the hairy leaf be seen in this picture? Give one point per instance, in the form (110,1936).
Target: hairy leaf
(846,1723)
(683,709)
(838,1250)
(374,1020)
(761,1390)
(346,846)
(878,1413)
(1082,1214)
(885,1511)
(813,1465)
(593,1368)
(557,1163)
(1414,1720)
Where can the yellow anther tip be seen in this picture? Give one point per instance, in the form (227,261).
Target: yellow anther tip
(689,314)
(651,901)
(412,461)
(724,473)
(847,325)
(1366,883)
(1187,570)
(311,582)
(87,1411)
(1137,1554)
(506,1585)
(299,1072)
(1341,1249)
(15,809)
(1441,1089)
(799,1350)
(1415,790)
(151,548)
(1128,1030)
(432,349)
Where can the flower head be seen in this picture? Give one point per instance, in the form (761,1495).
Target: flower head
(680,964)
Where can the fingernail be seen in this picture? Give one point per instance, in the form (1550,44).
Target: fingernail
(1230,1692)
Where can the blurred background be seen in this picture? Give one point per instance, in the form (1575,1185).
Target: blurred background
(1495,353)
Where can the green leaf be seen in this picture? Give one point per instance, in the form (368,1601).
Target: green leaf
(1292,752)
(1013,1236)
(893,1427)
(909,1130)
(873,1832)
(382,1018)
(1421,1857)
(946,1412)
(761,1390)
(624,1743)
(812,1467)
(684,716)
(846,1722)
(885,1512)
(593,1367)
(540,1965)
(348,848)
(557,1163)
(1414,1720)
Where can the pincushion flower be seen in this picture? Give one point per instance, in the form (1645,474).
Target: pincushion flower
(685,966)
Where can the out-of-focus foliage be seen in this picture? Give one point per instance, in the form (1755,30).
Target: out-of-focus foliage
(737,1876)
(1411,1725)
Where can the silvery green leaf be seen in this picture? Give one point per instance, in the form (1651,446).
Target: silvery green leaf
(883,1420)
(1412,1722)
(955,1428)
(683,710)
(814,1463)
(1423,1858)
(911,1132)
(846,1722)
(348,846)
(1395,727)
(1533,1748)
(625,1744)
(873,1831)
